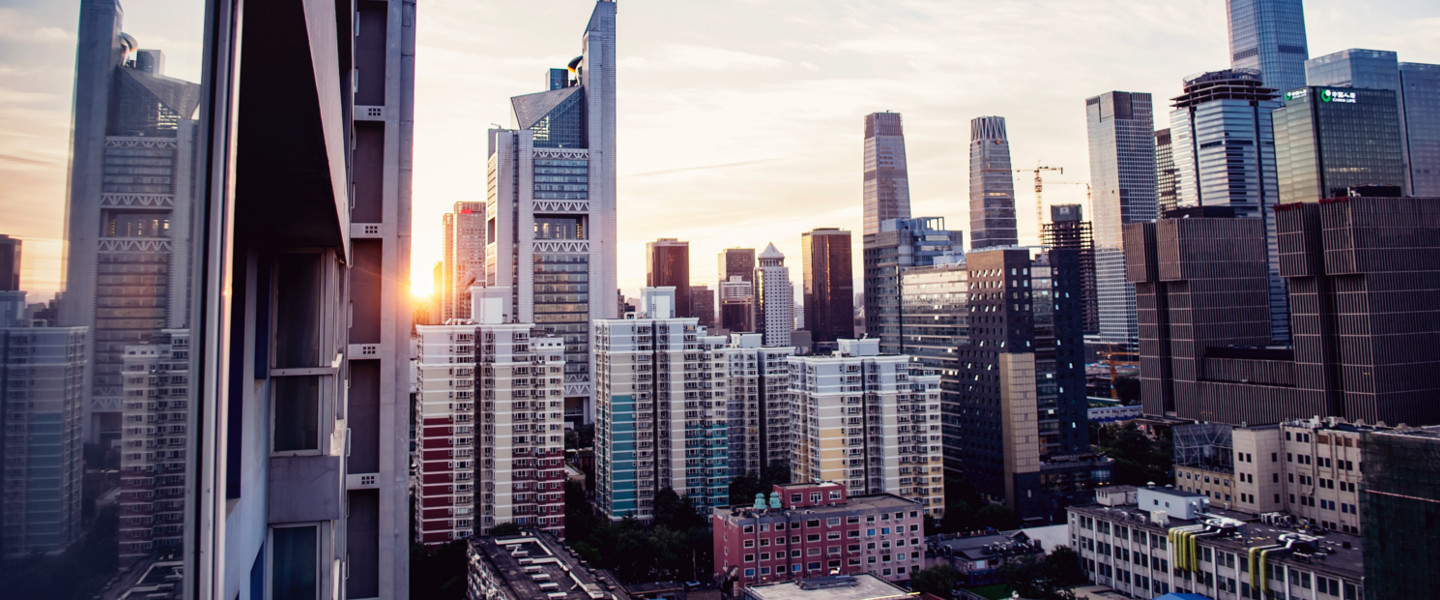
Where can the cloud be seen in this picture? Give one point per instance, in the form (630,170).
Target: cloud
(26,161)
(18,26)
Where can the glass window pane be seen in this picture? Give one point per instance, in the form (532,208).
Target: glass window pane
(294,563)
(297,310)
(297,413)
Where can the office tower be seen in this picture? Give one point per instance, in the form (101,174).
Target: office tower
(9,264)
(759,405)
(42,391)
(1397,496)
(1121,131)
(900,244)
(551,204)
(437,294)
(1068,230)
(775,297)
(667,264)
(936,319)
(829,287)
(1328,140)
(992,185)
(1417,89)
(1269,36)
(468,255)
(447,260)
(867,421)
(887,183)
(821,518)
(152,446)
(702,304)
(1166,189)
(1358,361)
(737,290)
(1021,408)
(1420,100)
(131,177)
(1224,151)
(661,410)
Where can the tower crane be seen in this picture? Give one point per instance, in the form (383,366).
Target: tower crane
(1039,189)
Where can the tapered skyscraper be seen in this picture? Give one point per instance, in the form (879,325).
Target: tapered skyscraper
(551,205)
(887,184)
(1121,129)
(1269,35)
(992,185)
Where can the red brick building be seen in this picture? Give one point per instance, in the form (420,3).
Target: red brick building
(811,529)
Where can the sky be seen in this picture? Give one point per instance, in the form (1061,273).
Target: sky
(740,121)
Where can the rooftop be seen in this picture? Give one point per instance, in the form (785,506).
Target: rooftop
(835,587)
(876,503)
(536,565)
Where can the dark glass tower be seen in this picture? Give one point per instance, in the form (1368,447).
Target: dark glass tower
(736,290)
(667,263)
(992,185)
(901,244)
(829,285)
(9,264)
(1165,188)
(1328,140)
(887,183)
(1068,230)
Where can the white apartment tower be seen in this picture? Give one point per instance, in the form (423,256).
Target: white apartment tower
(759,404)
(550,205)
(153,441)
(863,419)
(660,411)
(775,313)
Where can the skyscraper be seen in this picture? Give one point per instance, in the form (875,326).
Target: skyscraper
(1269,36)
(736,290)
(447,261)
(992,185)
(1328,140)
(887,183)
(1224,152)
(935,321)
(1121,131)
(551,204)
(1420,91)
(775,297)
(153,442)
(899,245)
(757,380)
(667,264)
(9,264)
(1166,191)
(467,255)
(660,418)
(1068,230)
(131,176)
(702,305)
(829,287)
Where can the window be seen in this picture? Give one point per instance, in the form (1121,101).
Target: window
(297,413)
(294,563)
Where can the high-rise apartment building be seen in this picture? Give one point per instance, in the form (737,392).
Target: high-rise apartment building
(1269,36)
(992,185)
(467,255)
(736,290)
(829,285)
(900,244)
(661,412)
(1166,189)
(1121,132)
(758,380)
(445,432)
(126,267)
(667,264)
(1202,281)
(551,205)
(1020,410)
(868,421)
(1224,153)
(935,320)
(1328,140)
(887,181)
(9,264)
(153,446)
(702,304)
(1420,95)
(42,391)
(1068,230)
(775,298)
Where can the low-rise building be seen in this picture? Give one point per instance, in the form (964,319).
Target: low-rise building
(978,558)
(809,530)
(1163,540)
(534,565)
(833,587)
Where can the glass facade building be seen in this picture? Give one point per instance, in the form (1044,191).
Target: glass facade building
(992,185)
(935,319)
(901,244)
(829,285)
(1224,152)
(887,182)
(1269,36)
(1121,132)
(1166,190)
(1328,140)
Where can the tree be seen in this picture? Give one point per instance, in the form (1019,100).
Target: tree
(1127,390)
(939,580)
(506,528)
(1064,568)
(1138,459)
(996,516)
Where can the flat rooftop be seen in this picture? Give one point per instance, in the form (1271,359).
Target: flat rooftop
(536,565)
(839,587)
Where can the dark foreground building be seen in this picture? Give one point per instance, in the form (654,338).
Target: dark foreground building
(1363,275)
(1400,509)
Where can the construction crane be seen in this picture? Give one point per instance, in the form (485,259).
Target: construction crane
(1087,191)
(1039,189)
